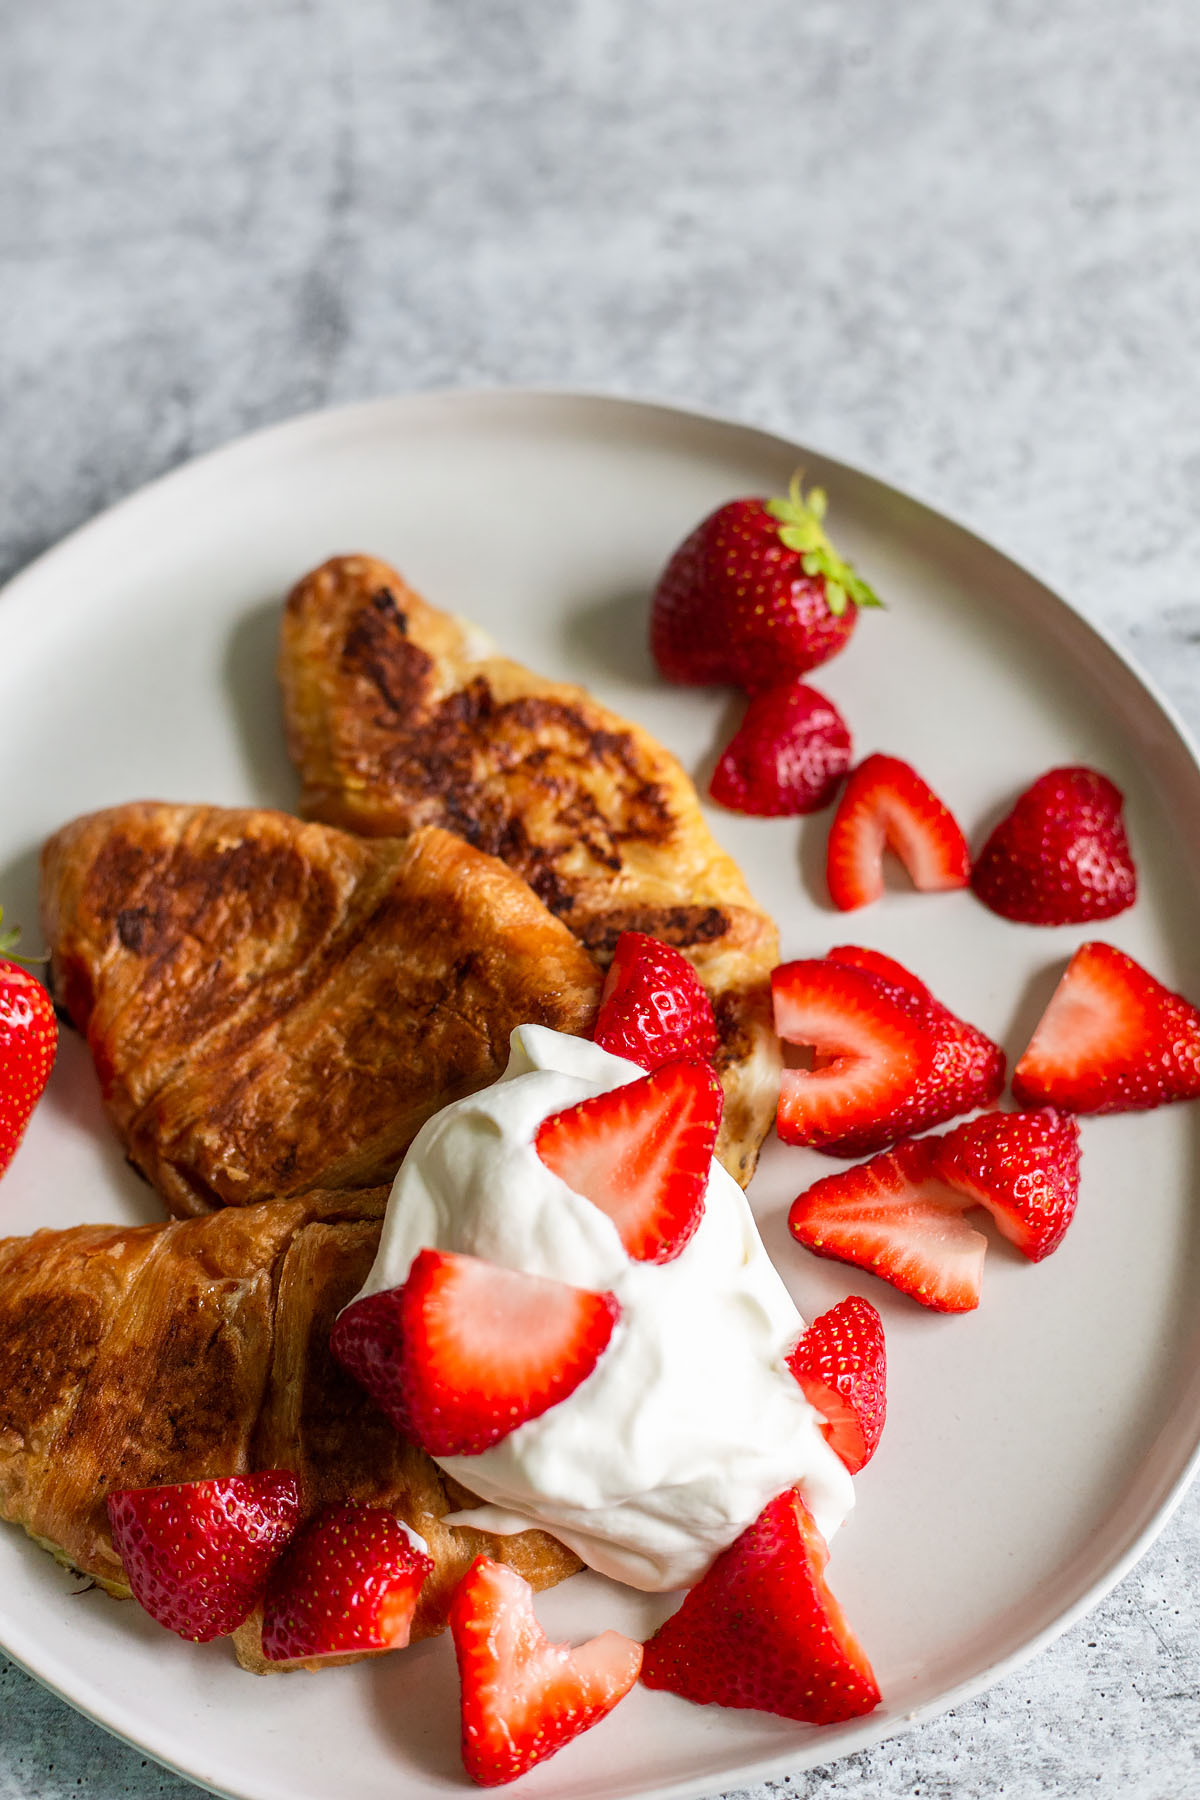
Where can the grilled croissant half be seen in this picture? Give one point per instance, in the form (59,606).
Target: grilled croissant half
(400,716)
(131,1357)
(274,1006)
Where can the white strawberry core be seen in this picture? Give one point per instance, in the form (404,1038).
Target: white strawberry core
(691,1421)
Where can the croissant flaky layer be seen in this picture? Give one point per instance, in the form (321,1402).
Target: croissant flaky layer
(131,1357)
(399,717)
(275,1006)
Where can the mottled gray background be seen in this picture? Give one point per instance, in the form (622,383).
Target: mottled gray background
(953,239)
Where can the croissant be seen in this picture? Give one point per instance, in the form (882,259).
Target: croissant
(135,1356)
(274,1007)
(399,716)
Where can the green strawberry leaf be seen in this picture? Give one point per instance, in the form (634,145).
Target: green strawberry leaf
(801,529)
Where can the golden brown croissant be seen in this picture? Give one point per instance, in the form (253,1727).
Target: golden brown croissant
(131,1357)
(274,1006)
(400,716)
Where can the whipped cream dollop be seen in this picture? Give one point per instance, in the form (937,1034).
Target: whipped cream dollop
(691,1421)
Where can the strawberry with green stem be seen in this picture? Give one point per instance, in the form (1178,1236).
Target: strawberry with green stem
(756,595)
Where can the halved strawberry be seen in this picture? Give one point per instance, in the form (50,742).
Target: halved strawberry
(787,756)
(885,805)
(523,1697)
(762,1629)
(858,956)
(466,1351)
(1024,1167)
(841,1364)
(897,1217)
(1113,1039)
(653,1009)
(890,1059)
(198,1553)
(642,1154)
(1061,856)
(348,1586)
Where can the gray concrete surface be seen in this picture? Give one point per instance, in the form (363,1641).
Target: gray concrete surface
(958,242)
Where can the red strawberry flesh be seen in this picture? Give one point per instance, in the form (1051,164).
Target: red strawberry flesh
(896,1217)
(1024,1168)
(787,756)
(763,1630)
(1061,856)
(347,1586)
(524,1698)
(643,1154)
(28,1041)
(466,1351)
(891,1059)
(1112,1039)
(198,1553)
(841,1364)
(653,1009)
(885,805)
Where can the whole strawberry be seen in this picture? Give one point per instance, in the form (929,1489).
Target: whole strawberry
(28,1040)
(756,595)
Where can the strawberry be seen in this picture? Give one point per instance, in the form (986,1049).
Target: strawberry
(1061,856)
(841,1364)
(889,1058)
(1113,1039)
(466,1351)
(886,805)
(523,1697)
(756,595)
(762,1630)
(858,956)
(653,1009)
(28,1040)
(1024,1167)
(198,1553)
(347,1586)
(897,1217)
(642,1154)
(788,755)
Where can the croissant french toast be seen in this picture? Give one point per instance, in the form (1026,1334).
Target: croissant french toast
(135,1356)
(399,716)
(275,1006)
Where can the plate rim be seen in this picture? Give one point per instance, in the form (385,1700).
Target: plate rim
(350,417)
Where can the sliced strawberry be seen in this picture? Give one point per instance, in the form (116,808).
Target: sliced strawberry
(870,1058)
(787,756)
(653,1009)
(762,1629)
(1024,1167)
(523,1697)
(198,1553)
(885,805)
(858,956)
(841,1364)
(466,1351)
(642,1154)
(348,1586)
(1061,856)
(890,1059)
(1113,1039)
(897,1217)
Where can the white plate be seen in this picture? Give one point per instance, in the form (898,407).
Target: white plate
(1033,1447)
